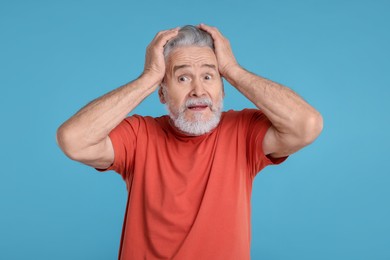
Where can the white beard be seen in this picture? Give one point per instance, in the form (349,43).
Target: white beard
(198,125)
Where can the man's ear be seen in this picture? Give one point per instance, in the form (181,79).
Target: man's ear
(161,94)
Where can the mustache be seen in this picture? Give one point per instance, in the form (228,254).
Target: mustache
(204,101)
(198,102)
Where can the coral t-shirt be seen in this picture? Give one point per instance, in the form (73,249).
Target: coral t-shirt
(189,196)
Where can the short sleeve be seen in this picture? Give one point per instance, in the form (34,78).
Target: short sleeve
(123,138)
(257,128)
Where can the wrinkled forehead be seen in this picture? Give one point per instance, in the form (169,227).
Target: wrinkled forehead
(190,56)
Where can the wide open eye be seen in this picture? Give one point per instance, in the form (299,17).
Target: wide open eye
(207,77)
(183,78)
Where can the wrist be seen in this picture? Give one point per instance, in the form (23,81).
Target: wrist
(233,72)
(151,79)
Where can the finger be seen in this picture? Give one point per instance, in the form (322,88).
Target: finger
(164,36)
(169,30)
(160,34)
(213,31)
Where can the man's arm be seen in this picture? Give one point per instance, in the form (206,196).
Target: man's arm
(295,123)
(84,137)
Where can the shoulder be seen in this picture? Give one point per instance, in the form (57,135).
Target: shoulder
(246,115)
(141,124)
(145,120)
(243,121)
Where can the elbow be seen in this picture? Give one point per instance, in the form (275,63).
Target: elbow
(60,137)
(65,141)
(313,126)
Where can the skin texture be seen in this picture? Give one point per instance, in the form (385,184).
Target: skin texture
(192,72)
(295,124)
(84,137)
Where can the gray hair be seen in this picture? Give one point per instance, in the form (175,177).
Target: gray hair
(189,36)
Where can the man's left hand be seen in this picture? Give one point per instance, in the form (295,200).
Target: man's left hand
(223,51)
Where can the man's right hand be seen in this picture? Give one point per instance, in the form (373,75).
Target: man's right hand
(154,60)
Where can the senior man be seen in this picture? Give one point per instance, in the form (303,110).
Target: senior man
(189,175)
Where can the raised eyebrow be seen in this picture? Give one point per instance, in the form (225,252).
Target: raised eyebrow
(177,67)
(211,66)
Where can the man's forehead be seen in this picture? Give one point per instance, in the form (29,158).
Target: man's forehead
(202,65)
(185,57)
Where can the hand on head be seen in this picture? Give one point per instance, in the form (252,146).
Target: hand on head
(223,51)
(155,63)
(154,60)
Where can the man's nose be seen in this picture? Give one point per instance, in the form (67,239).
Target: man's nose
(197,89)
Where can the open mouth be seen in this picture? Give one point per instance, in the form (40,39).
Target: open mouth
(197,107)
(198,104)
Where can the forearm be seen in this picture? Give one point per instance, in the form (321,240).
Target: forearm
(92,124)
(286,110)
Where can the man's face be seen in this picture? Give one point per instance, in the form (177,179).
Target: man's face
(193,89)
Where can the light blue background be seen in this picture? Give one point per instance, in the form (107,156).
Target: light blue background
(328,201)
